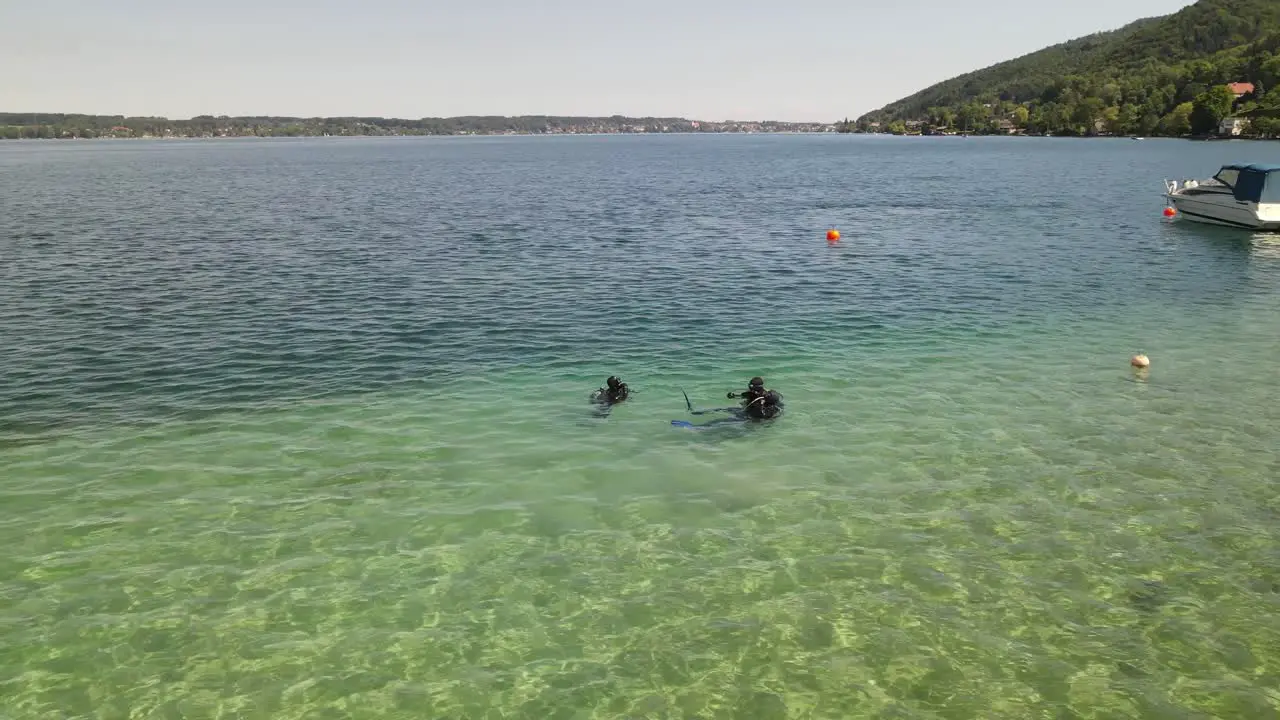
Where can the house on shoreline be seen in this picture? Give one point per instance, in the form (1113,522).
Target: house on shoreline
(1240,89)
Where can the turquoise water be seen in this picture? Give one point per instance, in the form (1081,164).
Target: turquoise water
(298,429)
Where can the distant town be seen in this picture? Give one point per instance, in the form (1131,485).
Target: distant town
(16,126)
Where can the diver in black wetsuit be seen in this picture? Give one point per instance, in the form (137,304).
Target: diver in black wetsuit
(614,392)
(759,403)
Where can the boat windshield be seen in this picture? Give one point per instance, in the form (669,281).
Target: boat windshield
(1271,189)
(1228,177)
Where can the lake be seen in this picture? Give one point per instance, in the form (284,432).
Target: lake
(300,429)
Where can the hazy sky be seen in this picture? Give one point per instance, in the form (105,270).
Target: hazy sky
(705,59)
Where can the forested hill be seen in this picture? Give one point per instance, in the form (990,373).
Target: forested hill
(1144,78)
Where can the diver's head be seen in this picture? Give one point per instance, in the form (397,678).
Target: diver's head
(757,383)
(613,382)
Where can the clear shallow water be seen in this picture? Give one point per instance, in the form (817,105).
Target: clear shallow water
(298,429)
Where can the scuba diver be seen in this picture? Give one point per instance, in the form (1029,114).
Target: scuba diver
(614,392)
(759,403)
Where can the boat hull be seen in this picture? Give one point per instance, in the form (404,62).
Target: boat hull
(1222,210)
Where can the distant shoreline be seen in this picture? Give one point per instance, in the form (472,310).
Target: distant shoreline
(388,137)
(40,126)
(460,136)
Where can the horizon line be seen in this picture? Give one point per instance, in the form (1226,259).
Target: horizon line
(427,117)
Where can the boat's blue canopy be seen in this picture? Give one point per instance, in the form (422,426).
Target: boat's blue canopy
(1254,167)
(1251,181)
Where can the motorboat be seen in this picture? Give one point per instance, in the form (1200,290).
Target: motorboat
(1243,196)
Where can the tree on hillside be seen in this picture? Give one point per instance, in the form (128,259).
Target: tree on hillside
(1265,126)
(941,117)
(1178,121)
(1269,69)
(1191,91)
(1087,113)
(972,116)
(1111,121)
(1209,108)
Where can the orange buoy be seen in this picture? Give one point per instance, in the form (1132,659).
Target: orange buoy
(833,236)
(1170,212)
